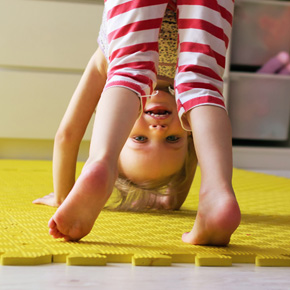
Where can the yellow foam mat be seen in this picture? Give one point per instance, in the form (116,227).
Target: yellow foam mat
(146,239)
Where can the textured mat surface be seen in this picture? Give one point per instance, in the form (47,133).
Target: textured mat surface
(263,237)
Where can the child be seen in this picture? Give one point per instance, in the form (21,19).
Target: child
(81,108)
(197,83)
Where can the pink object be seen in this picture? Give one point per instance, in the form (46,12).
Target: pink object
(285,70)
(276,63)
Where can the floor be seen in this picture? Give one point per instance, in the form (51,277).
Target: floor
(118,276)
(125,276)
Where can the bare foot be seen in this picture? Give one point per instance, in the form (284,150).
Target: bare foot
(217,218)
(75,217)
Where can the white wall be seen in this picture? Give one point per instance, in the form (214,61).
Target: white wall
(45,46)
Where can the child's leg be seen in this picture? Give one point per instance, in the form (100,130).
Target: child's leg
(218,211)
(204,32)
(115,118)
(133,29)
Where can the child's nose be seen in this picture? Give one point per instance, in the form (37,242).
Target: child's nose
(158,127)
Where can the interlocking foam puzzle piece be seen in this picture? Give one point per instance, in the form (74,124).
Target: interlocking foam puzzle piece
(86,260)
(151,260)
(269,261)
(263,238)
(27,258)
(182,257)
(213,260)
(119,258)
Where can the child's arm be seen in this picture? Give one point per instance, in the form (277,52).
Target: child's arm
(73,127)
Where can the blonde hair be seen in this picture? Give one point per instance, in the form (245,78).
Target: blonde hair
(129,196)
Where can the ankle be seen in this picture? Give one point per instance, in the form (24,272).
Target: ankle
(217,188)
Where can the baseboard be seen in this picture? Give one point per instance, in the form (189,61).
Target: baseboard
(261,158)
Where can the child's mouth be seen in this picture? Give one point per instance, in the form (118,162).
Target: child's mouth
(158,113)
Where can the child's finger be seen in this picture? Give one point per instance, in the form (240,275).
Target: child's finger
(37,201)
(42,201)
(46,200)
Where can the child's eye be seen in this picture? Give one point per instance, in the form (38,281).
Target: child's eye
(172,139)
(140,138)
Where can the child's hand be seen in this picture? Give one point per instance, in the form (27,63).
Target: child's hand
(47,200)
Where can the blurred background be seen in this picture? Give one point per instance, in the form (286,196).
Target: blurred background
(46,44)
